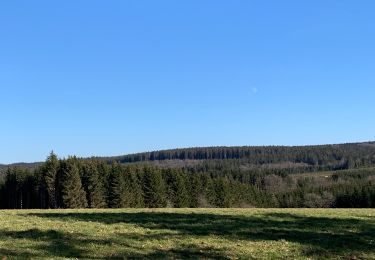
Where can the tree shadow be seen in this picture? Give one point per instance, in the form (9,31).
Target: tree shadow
(320,236)
(58,244)
(61,244)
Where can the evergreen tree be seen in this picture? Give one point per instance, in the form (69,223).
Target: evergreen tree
(73,194)
(50,180)
(2,195)
(104,171)
(177,191)
(134,187)
(93,185)
(117,189)
(195,189)
(222,191)
(153,188)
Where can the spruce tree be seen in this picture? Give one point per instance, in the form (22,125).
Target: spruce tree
(104,171)
(93,185)
(117,189)
(182,197)
(2,195)
(154,188)
(50,180)
(73,194)
(177,191)
(195,189)
(133,187)
(223,196)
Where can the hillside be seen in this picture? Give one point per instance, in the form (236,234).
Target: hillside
(333,155)
(256,154)
(270,176)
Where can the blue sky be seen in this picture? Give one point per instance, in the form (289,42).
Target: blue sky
(116,77)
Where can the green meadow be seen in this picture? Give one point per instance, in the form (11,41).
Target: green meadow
(188,233)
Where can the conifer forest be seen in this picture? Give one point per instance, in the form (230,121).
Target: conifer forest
(325,176)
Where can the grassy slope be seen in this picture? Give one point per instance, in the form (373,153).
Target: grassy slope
(184,233)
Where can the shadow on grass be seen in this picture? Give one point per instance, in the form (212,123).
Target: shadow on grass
(60,244)
(321,236)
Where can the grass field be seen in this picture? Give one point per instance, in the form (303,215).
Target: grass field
(189,233)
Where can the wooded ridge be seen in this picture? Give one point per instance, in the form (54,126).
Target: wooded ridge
(270,176)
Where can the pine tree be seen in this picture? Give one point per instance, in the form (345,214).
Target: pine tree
(117,189)
(195,189)
(177,191)
(73,194)
(223,196)
(50,179)
(134,187)
(104,171)
(93,185)
(2,195)
(154,188)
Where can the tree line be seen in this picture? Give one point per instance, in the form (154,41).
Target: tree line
(75,183)
(320,157)
(93,183)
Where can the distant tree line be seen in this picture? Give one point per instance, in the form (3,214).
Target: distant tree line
(321,157)
(94,183)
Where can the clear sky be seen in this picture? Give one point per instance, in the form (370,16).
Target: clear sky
(116,77)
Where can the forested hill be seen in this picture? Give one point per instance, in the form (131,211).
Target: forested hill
(271,176)
(338,156)
(335,156)
(30,166)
